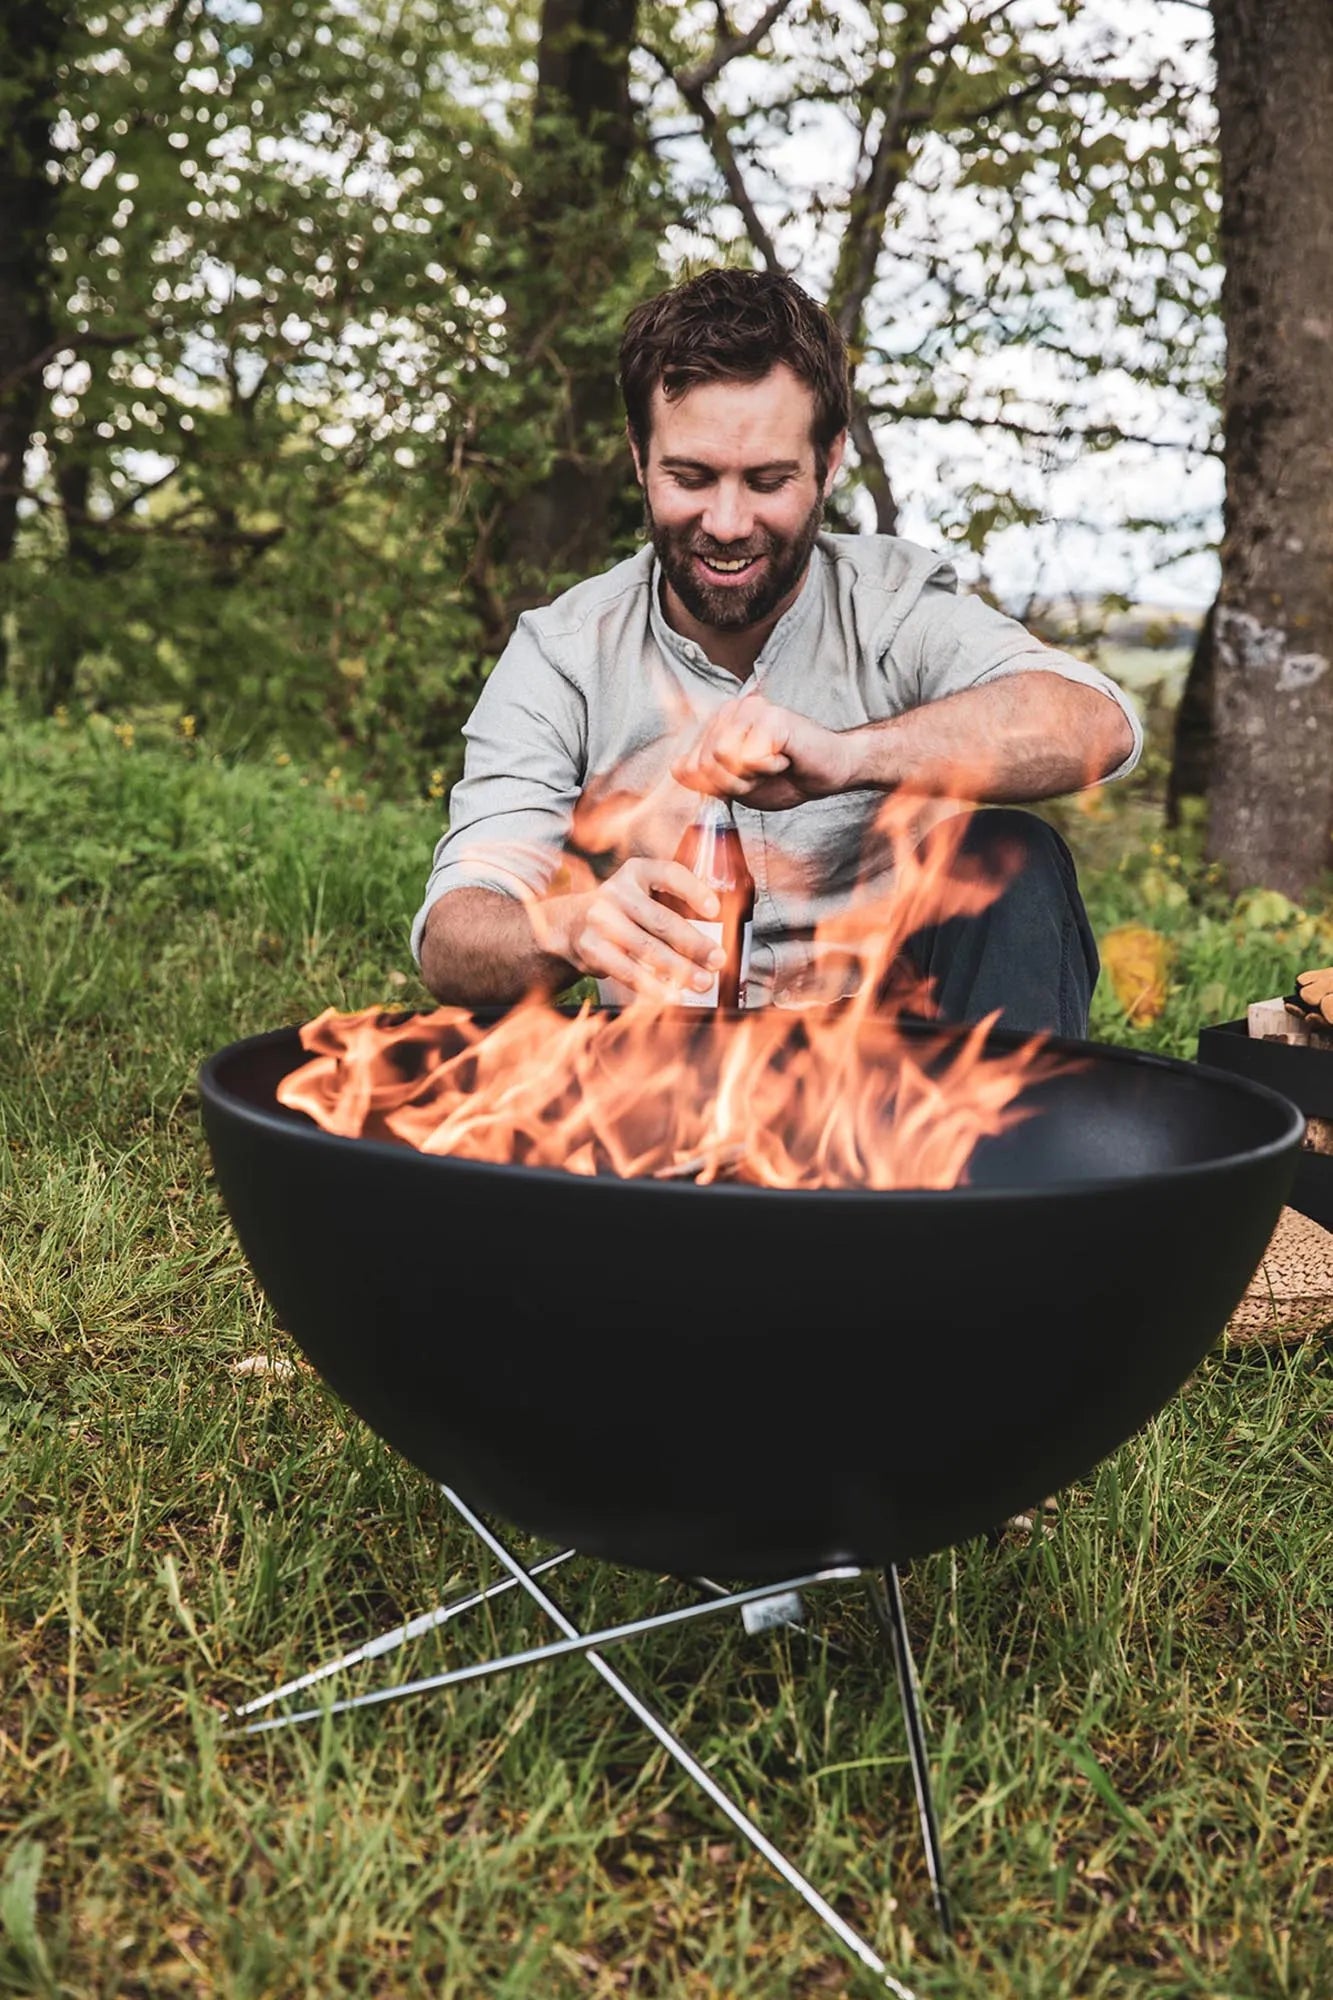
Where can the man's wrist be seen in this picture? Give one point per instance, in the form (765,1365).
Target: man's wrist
(556,922)
(870,755)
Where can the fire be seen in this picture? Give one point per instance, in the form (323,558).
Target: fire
(835,1094)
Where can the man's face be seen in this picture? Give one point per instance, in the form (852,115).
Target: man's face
(732,495)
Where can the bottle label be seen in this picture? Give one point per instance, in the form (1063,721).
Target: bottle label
(691,997)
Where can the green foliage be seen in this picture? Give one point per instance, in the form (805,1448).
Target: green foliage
(282,414)
(98,815)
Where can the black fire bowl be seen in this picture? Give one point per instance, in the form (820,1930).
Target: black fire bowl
(751,1382)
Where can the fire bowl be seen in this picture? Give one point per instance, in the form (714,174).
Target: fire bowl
(754,1382)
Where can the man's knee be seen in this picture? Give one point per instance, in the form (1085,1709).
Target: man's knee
(1017,843)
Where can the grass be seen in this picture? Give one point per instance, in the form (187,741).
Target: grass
(1129,1719)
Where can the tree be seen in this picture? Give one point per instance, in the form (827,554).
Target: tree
(571,276)
(266,281)
(31,34)
(1271,818)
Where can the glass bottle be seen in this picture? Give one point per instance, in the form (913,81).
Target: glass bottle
(711,848)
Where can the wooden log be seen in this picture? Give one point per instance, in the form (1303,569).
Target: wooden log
(1318,1137)
(1271,1020)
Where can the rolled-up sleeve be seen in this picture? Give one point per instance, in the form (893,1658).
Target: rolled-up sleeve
(523,771)
(962,642)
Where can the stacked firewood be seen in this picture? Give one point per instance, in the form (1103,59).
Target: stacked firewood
(1303,1019)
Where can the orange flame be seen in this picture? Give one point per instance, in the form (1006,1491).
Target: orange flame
(833,1094)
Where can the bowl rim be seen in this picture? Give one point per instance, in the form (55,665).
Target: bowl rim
(298,1128)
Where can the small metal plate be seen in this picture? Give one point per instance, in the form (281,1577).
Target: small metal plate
(771,1612)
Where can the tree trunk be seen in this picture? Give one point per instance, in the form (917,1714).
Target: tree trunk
(1192,740)
(582,140)
(1271,821)
(31,34)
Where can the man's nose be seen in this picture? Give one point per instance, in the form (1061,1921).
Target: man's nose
(729,515)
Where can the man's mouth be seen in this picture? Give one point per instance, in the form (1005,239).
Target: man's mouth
(727,566)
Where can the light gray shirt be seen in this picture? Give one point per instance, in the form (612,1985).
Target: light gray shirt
(597,690)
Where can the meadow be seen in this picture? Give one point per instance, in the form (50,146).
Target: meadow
(1130,1712)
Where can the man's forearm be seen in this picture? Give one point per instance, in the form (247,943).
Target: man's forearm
(479,949)
(1027,736)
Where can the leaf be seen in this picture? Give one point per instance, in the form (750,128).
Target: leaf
(1162,891)
(1135,959)
(18,1903)
(276,1365)
(1089,1767)
(1213,1000)
(1265,909)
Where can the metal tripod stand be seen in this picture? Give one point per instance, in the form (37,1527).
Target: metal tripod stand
(886,1601)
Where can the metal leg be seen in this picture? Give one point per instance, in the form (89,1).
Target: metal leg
(674,1748)
(887,1599)
(397,1635)
(532,1656)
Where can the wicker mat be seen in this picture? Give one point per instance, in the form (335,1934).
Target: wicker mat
(1290,1296)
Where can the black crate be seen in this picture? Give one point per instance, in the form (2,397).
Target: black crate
(1304,1075)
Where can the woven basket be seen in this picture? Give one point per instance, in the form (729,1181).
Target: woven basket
(1290,1296)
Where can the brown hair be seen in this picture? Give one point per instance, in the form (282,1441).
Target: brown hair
(728,325)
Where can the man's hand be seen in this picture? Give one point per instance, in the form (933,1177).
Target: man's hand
(768,757)
(619,931)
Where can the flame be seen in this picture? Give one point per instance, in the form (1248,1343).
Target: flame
(833,1094)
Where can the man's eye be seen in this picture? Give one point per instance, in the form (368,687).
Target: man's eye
(690,481)
(770,485)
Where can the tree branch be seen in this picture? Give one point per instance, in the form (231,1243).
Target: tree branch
(1062,434)
(714,132)
(873,467)
(728,47)
(859,250)
(719,145)
(141,492)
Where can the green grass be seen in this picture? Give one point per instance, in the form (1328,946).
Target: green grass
(1129,1720)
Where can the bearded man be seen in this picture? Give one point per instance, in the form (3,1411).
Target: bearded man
(801,675)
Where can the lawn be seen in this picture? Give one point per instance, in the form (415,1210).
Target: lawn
(1129,1716)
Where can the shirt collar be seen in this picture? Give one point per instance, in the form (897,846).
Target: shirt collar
(791,622)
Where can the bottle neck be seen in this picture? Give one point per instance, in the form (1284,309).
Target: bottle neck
(715,813)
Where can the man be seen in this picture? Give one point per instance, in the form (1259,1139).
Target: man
(801,675)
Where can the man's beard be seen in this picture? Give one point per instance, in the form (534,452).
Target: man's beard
(733,607)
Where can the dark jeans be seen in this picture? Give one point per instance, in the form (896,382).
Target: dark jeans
(1031,953)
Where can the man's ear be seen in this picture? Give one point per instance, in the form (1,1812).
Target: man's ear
(634,454)
(835,451)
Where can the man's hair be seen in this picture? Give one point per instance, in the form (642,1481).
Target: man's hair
(733,326)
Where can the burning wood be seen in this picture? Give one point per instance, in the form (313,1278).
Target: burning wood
(724,1162)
